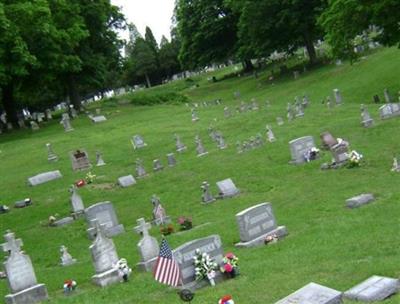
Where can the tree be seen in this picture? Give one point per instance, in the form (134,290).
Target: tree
(168,57)
(282,25)
(344,19)
(207,32)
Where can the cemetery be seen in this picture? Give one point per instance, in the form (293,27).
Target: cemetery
(273,226)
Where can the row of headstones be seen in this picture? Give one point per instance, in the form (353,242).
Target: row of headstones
(255,141)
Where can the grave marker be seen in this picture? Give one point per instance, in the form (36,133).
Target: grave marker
(227,188)
(44,178)
(313,293)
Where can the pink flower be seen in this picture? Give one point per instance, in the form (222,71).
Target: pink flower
(230,255)
(228,267)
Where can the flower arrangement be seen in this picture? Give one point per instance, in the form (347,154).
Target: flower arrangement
(167,229)
(69,285)
(226,300)
(123,269)
(311,154)
(270,239)
(354,159)
(90,177)
(185,222)
(230,265)
(205,267)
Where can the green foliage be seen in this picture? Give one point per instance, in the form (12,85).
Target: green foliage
(153,97)
(207,32)
(344,19)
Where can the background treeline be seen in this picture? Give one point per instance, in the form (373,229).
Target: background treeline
(55,50)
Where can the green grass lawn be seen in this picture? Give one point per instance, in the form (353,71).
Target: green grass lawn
(327,243)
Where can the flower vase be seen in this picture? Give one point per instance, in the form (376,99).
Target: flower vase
(212,282)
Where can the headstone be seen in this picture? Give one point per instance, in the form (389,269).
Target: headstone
(256,223)
(340,151)
(74,114)
(65,121)
(366,119)
(79,160)
(206,196)
(21,123)
(313,293)
(199,147)
(377,99)
(34,125)
(184,254)
(270,134)
(157,166)
(329,102)
(388,98)
(64,221)
(389,110)
(227,188)
(76,202)
(20,274)
(180,147)
(126,181)
(328,141)
(338,97)
(237,94)
(306,102)
(23,203)
(159,215)
(148,247)
(220,141)
(140,171)
(66,258)
(279,121)
(396,165)
(360,200)
(44,178)
(171,159)
(51,156)
(227,112)
(104,258)
(48,114)
(138,142)
(99,159)
(296,74)
(105,214)
(289,111)
(300,146)
(98,111)
(194,115)
(97,119)
(376,288)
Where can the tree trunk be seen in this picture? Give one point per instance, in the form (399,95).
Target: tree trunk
(310,48)
(9,104)
(247,65)
(148,80)
(73,93)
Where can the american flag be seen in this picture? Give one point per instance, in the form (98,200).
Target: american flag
(167,270)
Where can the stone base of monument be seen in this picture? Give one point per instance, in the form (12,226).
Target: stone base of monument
(77,215)
(219,277)
(280,232)
(30,295)
(164,221)
(367,123)
(147,266)
(375,288)
(110,232)
(106,278)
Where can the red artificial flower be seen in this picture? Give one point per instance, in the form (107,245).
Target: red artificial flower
(230,255)
(225,299)
(228,267)
(80,183)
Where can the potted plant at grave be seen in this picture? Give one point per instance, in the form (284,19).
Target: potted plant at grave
(185,222)
(230,265)
(90,177)
(226,300)
(271,239)
(167,229)
(69,286)
(205,267)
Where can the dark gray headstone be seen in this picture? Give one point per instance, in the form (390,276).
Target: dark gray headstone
(184,254)
(375,288)
(256,223)
(313,293)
